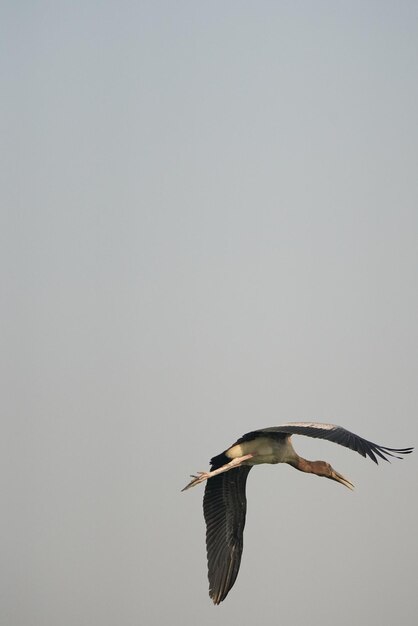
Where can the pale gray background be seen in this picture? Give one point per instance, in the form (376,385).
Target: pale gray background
(209,224)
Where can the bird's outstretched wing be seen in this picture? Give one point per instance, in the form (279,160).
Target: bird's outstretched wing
(224,506)
(334,433)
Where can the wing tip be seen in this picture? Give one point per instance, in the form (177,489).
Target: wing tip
(217,598)
(383,452)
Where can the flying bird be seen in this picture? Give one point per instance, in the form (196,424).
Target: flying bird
(225,503)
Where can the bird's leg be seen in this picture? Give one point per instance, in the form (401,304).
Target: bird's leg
(200,477)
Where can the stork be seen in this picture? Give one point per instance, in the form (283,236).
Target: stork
(225,504)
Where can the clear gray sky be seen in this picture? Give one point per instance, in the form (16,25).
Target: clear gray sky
(209,224)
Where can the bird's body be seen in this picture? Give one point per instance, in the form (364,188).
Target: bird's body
(225,504)
(265,449)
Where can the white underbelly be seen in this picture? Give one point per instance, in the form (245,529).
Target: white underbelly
(265,450)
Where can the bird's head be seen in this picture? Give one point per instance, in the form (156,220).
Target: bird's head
(322,468)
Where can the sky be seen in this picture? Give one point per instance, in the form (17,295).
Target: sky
(209,225)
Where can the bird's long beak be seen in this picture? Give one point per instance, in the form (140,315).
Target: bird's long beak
(341,479)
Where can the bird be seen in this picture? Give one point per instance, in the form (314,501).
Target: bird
(225,503)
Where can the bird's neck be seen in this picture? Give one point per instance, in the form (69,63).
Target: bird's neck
(320,468)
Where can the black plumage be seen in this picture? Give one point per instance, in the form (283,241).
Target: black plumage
(224,506)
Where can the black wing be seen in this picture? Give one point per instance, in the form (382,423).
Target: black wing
(334,433)
(224,506)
